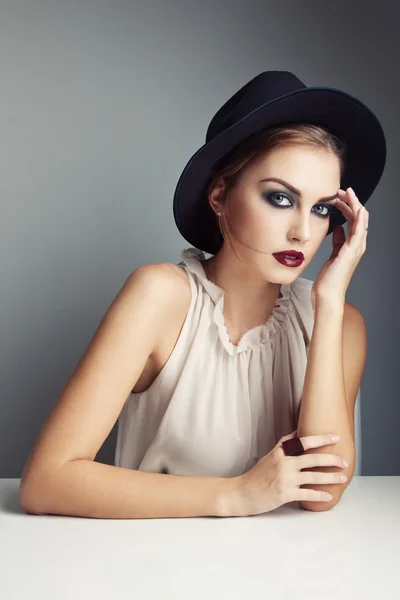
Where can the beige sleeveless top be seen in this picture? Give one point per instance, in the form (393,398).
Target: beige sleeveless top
(215,408)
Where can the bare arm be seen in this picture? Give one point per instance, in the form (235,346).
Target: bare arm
(60,475)
(324,406)
(90,489)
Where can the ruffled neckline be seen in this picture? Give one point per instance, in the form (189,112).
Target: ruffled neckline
(255,337)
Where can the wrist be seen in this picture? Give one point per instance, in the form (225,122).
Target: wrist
(326,304)
(230,498)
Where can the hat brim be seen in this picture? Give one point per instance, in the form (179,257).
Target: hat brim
(346,116)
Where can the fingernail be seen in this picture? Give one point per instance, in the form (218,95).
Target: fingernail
(335,438)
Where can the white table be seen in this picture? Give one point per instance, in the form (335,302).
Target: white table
(350,552)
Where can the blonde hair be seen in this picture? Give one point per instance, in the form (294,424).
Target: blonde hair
(232,165)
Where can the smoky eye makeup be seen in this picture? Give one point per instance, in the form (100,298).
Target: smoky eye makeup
(280,199)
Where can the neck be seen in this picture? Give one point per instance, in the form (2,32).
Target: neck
(248,298)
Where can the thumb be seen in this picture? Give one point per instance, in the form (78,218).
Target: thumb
(338,239)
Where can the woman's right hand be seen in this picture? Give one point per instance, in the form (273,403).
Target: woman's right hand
(275,478)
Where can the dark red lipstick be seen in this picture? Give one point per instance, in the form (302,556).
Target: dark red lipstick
(289,258)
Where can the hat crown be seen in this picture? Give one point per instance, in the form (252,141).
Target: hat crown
(262,89)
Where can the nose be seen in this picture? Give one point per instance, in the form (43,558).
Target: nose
(300,229)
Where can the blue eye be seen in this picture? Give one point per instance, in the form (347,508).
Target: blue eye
(329,209)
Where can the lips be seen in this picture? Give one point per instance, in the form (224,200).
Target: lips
(288,260)
(290,254)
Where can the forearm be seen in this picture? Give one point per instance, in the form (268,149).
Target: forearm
(323,407)
(90,489)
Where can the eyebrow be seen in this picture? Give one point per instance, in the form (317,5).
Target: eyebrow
(296,191)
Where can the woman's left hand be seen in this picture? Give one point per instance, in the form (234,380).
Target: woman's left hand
(335,275)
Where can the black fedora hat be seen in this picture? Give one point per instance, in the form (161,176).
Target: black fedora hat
(274,98)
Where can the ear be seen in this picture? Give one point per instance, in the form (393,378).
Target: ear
(215,195)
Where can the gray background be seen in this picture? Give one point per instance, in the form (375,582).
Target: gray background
(101,106)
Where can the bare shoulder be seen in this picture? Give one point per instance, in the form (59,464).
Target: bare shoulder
(168,285)
(165,281)
(166,288)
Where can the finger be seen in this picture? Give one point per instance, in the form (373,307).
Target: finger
(343,196)
(354,201)
(344,208)
(338,237)
(289,436)
(358,231)
(360,226)
(357,225)
(364,242)
(315,441)
(311,441)
(353,204)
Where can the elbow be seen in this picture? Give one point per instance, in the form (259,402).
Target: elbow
(26,498)
(335,490)
(29,498)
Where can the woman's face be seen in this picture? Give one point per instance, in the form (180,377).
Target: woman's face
(268,217)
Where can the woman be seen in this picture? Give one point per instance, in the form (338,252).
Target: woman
(208,365)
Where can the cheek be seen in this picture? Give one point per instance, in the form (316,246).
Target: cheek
(255,224)
(256,215)
(317,245)
(242,215)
